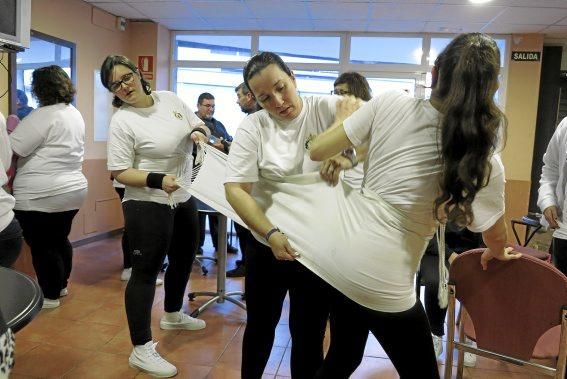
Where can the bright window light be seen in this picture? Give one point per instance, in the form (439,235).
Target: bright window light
(479,1)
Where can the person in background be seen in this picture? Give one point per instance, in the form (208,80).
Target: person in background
(50,186)
(552,194)
(150,142)
(10,231)
(23,109)
(247,102)
(354,84)
(221,141)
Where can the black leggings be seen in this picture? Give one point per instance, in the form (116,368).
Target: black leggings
(267,283)
(10,243)
(404,336)
(153,230)
(52,254)
(559,250)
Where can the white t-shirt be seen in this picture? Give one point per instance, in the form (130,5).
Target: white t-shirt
(153,139)
(403,164)
(6,200)
(50,143)
(273,149)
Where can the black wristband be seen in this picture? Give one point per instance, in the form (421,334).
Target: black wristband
(154,180)
(200,130)
(270,232)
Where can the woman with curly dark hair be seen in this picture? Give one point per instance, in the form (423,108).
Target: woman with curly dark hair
(50,186)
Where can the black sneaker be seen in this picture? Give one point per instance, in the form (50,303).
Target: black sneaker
(231,249)
(237,272)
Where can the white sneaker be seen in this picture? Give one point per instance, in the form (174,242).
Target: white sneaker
(145,358)
(50,303)
(437,345)
(470,358)
(126,274)
(181,321)
(64,292)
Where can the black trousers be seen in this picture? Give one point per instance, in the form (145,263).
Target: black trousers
(10,243)
(267,283)
(52,255)
(559,251)
(243,236)
(127,254)
(429,271)
(153,230)
(405,337)
(213,228)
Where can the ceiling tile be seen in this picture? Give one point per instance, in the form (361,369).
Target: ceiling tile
(220,9)
(402,12)
(272,10)
(516,15)
(184,23)
(285,24)
(165,9)
(340,25)
(232,23)
(562,22)
(465,13)
(396,26)
(499,28)
(354,11)
(556,31)
(452,27)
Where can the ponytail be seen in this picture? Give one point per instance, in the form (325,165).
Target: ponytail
(468,79)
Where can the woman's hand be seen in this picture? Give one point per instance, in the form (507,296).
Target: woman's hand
(281,248)
(551,216)
(507,254)
(199,137)
(169,184)
(332,167)
(346,106)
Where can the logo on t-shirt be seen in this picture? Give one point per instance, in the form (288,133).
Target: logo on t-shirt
(178,115)
(308,141)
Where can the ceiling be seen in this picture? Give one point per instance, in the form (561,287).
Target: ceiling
(432,16)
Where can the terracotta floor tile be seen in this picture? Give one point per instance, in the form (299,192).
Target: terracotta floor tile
(107,313)
(275,361)
(74,309)
(50,361)
(24,345)
(102,365)
(185,371)
(285,369)
(43,327)
(86,335)
(371,368)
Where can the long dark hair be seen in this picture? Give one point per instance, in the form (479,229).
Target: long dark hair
(357,85)
(468,79)
(51,85)
(106,75)
(260,61)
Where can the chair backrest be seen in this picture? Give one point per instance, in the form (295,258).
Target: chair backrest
(511,304)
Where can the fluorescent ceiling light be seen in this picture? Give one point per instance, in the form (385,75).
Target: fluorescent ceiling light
(479,1)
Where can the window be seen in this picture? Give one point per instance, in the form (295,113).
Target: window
(213,47)
(438,44)
(303,49)
(371,50)
(44,51)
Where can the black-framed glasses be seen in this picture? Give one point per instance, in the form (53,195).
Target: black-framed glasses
(126,79)
(340,92)
(208,106)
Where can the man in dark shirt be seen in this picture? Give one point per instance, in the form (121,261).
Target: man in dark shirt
(205,111)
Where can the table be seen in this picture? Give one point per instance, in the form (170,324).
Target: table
(220,296)
(528,223)
(20,298)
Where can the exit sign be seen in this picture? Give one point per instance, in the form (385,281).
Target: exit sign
(526,56)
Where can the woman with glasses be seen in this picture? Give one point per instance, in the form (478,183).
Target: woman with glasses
(354,84)
(150,143)
(49,186)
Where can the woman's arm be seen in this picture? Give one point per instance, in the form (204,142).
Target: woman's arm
(138,178)
(495,239)
(238,196)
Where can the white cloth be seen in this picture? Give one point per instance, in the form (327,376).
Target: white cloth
(153,139)
(50,142)
(7,201)
(269,148)
(554,177)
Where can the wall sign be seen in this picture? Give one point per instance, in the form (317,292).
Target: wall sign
(146,66)
(526,56)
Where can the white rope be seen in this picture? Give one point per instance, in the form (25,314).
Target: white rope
(443,291)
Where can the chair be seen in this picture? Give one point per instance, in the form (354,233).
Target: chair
(511,305)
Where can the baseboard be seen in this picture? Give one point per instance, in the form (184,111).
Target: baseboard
(97,237)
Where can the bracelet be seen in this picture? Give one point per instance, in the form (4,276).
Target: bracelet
(275,229)
(154,180)
(350,154)
(200,130)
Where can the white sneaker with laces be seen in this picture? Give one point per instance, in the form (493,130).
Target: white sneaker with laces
(50,303)
(126,274)
(64,292)
(437,345)
(145,358)
(180,320)
(470,358)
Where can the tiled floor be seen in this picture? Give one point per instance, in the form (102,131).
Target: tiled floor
(87,337)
